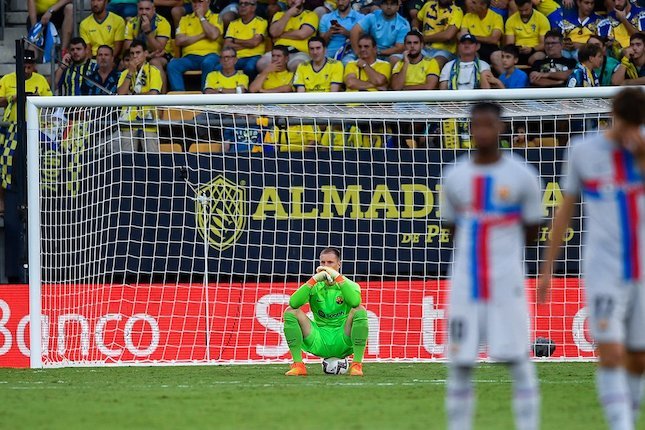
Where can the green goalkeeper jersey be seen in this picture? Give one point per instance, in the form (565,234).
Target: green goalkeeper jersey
(329,304)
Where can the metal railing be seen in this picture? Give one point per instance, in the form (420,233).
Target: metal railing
(3,18)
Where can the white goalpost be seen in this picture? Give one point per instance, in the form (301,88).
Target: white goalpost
(150,243)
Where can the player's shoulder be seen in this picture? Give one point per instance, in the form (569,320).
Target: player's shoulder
(588,143)
(519,165)
(462,166)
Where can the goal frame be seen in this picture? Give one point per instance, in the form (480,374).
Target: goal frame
(33,153)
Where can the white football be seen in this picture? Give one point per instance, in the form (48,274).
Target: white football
(335,366)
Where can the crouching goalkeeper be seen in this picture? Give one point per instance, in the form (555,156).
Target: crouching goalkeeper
(340,325)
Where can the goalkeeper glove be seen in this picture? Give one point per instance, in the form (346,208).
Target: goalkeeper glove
(322,277)
(333,273)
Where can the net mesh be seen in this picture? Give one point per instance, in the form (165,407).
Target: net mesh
(175,234)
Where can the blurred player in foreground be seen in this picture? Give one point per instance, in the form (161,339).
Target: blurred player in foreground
(492,204)
(340,325)
(608,170)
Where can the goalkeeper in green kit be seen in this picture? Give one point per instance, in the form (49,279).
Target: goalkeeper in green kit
(340,325)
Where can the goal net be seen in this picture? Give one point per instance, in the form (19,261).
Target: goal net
(172,229)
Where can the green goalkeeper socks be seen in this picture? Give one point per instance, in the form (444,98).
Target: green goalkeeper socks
(293,334)
(359,334)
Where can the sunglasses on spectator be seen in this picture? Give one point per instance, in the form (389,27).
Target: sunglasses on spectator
(245,3)
(198,1)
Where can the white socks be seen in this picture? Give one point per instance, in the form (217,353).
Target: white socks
(460,403)
(526,395)
(614,397)
(635,384)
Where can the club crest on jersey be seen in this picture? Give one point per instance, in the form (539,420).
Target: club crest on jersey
(340,300)
(504,193)
(221,205)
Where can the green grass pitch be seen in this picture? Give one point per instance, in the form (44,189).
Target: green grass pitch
(390,396)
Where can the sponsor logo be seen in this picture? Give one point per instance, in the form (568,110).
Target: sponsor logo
(221,212)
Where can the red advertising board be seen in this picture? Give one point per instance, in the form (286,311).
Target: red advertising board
(98,324)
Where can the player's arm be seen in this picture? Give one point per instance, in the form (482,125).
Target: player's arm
(351,292)
(532,208)
(301,296)
(447,208)
(560,223)
(531,232)
(350,289)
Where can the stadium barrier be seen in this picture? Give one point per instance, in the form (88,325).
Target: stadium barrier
(406,320)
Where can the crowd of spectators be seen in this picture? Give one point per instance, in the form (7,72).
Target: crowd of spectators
(338,45)
(155,47)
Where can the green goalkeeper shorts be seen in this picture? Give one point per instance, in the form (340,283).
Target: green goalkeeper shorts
(328,342)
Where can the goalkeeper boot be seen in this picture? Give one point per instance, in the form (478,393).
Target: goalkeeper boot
(356,369)
(297,369)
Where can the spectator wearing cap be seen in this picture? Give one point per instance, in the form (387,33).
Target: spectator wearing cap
(440,22)
(388,29)
(247,36)
(577,25)
(553,70)
(292,28)
(335,28)
(486,25)
(58,12)
(70,73)
(607,72)
(414,71)
(35,85)
(467,71)
(198,36)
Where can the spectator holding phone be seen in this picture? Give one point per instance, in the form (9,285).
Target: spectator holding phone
(335,27)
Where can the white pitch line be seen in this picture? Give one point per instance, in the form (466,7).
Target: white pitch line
(60,385)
